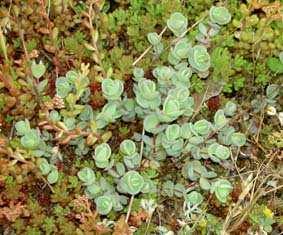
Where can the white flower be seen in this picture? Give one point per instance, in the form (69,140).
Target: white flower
(280,117)
(271,111)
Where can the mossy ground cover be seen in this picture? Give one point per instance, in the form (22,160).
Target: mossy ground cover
(44,43)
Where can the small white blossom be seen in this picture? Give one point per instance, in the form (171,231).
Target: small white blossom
(271,111)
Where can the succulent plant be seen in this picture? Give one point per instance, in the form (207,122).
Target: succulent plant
(104,204)
(219,15)
(38,70)
(132,159)
(49,170)
(203,127)
(182,48)
(230,108)
(53,176)
(151,123)
(221,188)
(63,87)
(132,183)
(153,38)
(146,94)
(138,74)
(163,75)
(44,166)
(128,147)
(218,152)
(87,176)
(238,139)
(199,58)
(102,155)
(112,89)
(171,109)
(219,119)
(171,141)
(194,198)
(177,23)
(109,113)
(169,189)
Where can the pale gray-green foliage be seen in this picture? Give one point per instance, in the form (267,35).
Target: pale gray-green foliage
(164,105)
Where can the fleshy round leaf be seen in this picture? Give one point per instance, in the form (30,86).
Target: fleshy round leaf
(238,139)
(132,182)
(194,198)
(128,147)
(104,204)
(112,89)
(102,152)
(31,140)
(38,69)
(219,119)
(53,176)
(177,23)
(202,127)
(222,189)
(44,166)
(87,175)
(199,58)
(219,15)
(22,127)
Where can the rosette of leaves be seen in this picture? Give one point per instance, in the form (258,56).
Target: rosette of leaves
(104,204)
(147,96)
(138,74)
(177,23)
(194,198)
(163,75)
(218,152)
(195,171)
(63,87)
(112,89)
(30,138)
(181,49)
(128,109)
(206,31)
(50,170)
(102,154)
(109,113)
(155,41)
(151,123)
(132,159)
(132,183)
(219,15)
(169,189)
(182,77)
(171,110)
(172,141)
(32,141)
(87,176)
(203,127)
(230,109)
(199,58)
(221,188)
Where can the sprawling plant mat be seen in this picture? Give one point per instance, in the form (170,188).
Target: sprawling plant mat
(141,117)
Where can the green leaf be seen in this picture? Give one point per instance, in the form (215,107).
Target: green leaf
(38,69)
(53,176)
(44,166)
(86,175)
(104,204)
(238,139)
(222,189)
(22,127)
(194,198)
(275,65)
(219,119)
